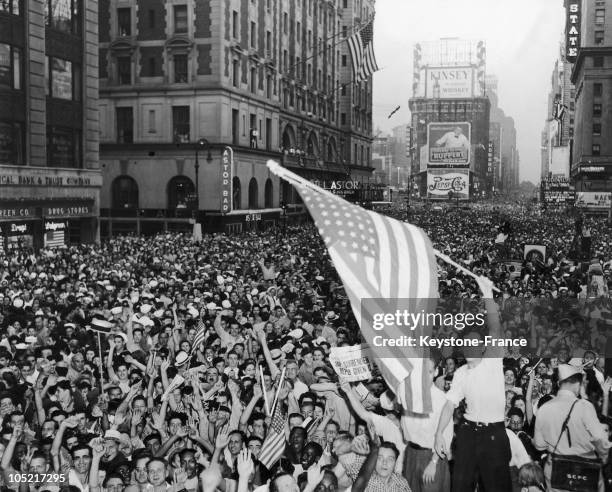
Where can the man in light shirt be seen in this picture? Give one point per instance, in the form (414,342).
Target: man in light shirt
(425,470)
(483,449)
(453,140)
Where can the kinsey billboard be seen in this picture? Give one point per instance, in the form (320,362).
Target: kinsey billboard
(442,182)
(593,200)
(449,82)
(449,144)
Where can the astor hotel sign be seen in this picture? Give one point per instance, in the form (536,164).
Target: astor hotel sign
(572,30)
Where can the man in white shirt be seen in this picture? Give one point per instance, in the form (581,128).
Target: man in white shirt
(483,449)
(423,468)
(454,139)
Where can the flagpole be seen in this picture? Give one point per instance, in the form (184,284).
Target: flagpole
(280,387)
(281,172)
(101,363)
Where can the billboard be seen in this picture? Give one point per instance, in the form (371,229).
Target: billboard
(442,181)
(572,30)
(449,82)
(449,144)
(593,200)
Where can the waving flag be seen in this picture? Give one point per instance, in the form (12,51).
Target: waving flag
(199,337)
(274,444)
(361,48)
(379,259)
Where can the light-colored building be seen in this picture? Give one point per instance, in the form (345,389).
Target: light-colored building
(49,168)
(265,78)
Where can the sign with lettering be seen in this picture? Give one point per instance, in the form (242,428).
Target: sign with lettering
(449,144)
(351,363)
(15,212)
(78,209)
(16,228)
(57,179)
(227,175)
(54,226)
(449,82)
(593,200)
(572,30)
(441,182)
(253,217)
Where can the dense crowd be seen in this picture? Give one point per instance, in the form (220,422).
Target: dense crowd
(162,363)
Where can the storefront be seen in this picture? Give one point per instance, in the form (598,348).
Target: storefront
(243,220)
(46,223)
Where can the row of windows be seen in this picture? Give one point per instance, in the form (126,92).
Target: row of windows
(179,15)
(181,191)
(10,6)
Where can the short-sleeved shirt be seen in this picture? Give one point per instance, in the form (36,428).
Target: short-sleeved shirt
(395,483)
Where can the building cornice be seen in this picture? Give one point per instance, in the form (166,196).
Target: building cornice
(582,55)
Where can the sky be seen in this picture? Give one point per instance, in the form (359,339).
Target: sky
(522,39)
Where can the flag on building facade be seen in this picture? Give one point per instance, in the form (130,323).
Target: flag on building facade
(274,444)
(380,260)
(361,48)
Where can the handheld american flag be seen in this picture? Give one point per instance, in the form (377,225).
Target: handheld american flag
(199,337)
(380,261)
(274,444)
(361,48)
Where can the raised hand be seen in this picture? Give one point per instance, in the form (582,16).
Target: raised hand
(222,437)
(607,385)
(97,446)
(180,477)
(315,475)
(245,464)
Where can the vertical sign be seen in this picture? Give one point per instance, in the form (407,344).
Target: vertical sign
(490,159)
(572,30)
(227,166)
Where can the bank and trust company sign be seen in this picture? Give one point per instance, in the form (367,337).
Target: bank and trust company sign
(441,182)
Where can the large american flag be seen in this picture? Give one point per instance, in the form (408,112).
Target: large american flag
(199,337)
(361,48)
(274,444)
(380,259)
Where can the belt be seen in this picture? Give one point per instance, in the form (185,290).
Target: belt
(483,425)
(414,445)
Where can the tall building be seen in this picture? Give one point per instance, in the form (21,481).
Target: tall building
(49,168)
(197,96)
(503,176)
(450,118)
(589,47)
(559,125)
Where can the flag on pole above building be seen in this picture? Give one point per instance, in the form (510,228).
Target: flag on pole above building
(382,262)
(361,48)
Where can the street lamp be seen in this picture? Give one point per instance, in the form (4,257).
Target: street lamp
(200,145)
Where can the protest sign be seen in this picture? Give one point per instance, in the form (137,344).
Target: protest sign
(351,363)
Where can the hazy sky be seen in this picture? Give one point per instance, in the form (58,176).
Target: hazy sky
(522,39)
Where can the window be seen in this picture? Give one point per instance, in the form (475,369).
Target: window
(269,86)
(253,35)
(599,37)
(235,24)
(598,61)
(124,70)
(236,194)
(344,4)
(61,79)
(11,143)
(125,125)
(151,19)
(596,129)
(596,149)
(285,60)
(180,19)
(235,127)
(152,125)
(235,73)
(268,44)
(343,118)
(181,71)
(253,80)
(298,32)
(10,6)
(181,193)
(124,21)
(344,31)
(253,194)
(344,60)
(10,67)
(269,194)
(285,22)
(597,110)
(180,123)
(152,67)
(597,89)
(63,15)
(63,147)
(125,193)
(600,16)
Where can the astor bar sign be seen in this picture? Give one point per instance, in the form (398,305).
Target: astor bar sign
(572,30)
(227,166)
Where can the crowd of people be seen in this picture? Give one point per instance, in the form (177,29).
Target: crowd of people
(164,363)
